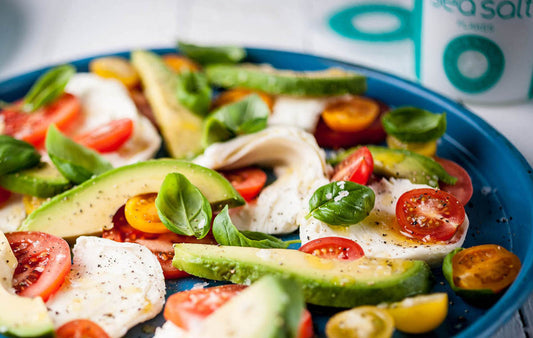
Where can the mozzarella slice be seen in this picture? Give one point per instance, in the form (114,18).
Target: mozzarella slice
(376,234)
(12,213)
(169,330)
(301,112)
(105,100)
(298,163)
(116,285)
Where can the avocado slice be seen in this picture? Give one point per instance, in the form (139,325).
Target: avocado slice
(181,128)
(44,180)
(269,308)
(21,316)
(274,81)
(89,207)
(324,281)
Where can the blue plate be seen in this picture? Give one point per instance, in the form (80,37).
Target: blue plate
(500,210)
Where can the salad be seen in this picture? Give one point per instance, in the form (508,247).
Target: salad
(257,160)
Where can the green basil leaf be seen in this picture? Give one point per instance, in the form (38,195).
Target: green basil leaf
(16,155)
(74,161)
(341,203)
(182,208)
(194,92)
(226,233)
(212,54)
(48,87)
(246,116)
(410,124)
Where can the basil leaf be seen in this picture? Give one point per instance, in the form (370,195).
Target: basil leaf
(74,161)
(410,124)
(341,203)
(246,116)
(194,92)
(16,155)
(48,87)
(182,208)
(212,54)
(226,233)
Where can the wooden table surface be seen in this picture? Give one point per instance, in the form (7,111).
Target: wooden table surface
(34,33)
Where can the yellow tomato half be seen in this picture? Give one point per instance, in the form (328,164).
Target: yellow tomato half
(180,63)
(237,94)
(350,114)
(423,148)
(359,322)
(116,68)
(141,213)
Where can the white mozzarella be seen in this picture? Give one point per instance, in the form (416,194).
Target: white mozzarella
(116,285)
(169,330)
(298,163)
(12,213)
(376,234)
(301,112)
(105,100)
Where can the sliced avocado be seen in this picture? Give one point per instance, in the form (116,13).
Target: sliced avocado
(269,308)
(20,316)
(44,180)
(273,81)
(324,281)
(212,54)
(181,128)
(89,207)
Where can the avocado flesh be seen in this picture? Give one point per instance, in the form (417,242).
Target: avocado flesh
(43,180)
(87,209)
(324,282)
(181,129)
(269,308)
(284,82)
(19,316)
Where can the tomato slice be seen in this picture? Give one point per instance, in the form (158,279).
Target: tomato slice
(80,328)
(187,309)
(334,248)
(237,94)
(180,63)
(350,114)
(429,214)
(247,181)
(32,127)
(161,245)
(462,189)
(374,133)
(4,196)
(43,263)
(357,167)
(487,266)
(107,137)
(141,213)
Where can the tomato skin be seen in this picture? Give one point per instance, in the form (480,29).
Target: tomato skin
(329,138)
(4,196)
(350,114)
(107,137)
(487,266)
(305,329)
(32,127)
(141,213)
(43,263)
(247,181)
(462,189)
(333,248)
(429,215)
(80,328)
(161,245)
(357,167)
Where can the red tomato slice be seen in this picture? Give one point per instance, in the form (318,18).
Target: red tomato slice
(80,328)
(107,137)
(356,168)
(429,214)
(43,263)
(462,189)
(334,248)
(247,181)
(187,309)
(329,138)
(159,244)
(4,196)
(32,127)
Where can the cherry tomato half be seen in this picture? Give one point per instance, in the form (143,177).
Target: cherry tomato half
(357,167)
(107,137)
(80,328)
(180,63)
(429,214)
(43,263)
(237,94)
(141,213)
(4,196)
(32,127)
(462,189)
(161,245)
(334,248)
(115,67)
(487,266)
(247,181)
(351,114)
